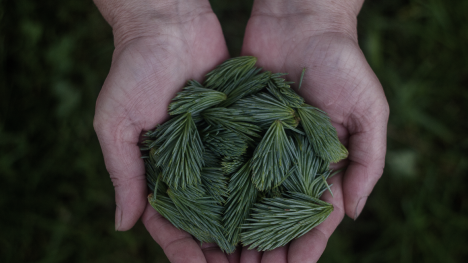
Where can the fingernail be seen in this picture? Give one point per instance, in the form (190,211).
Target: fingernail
(359,207)
(118,217)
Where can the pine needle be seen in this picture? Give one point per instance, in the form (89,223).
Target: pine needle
(309,174)
(229,71)
(215,183)
(281,89)
(265,109)
(272,158)
(241,199)
(277,221)
(232,120)
(321,134)
(179,151)
(194,99)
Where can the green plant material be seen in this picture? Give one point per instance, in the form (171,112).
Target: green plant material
(161,202)
(223,142)
(203,211)
(179,151)
(250,84)
(228,72)
(210,159)
(230,165)
(310,173)
(321,134)
(265,109)
(272,158)
(281,89)
(278,220)
(242,196)
(242,160)
(215,183)
(194,99)
(232,120)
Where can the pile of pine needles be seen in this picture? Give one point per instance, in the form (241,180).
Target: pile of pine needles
(243,159)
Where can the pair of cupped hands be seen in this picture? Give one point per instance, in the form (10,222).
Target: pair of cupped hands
(161,45)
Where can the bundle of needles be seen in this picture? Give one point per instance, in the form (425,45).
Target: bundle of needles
(243,159)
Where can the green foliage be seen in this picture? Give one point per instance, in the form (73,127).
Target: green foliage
(272,158)
(232,70)
(192,210)
(194,99)
(310,172)
(231,120)
(215,183)
(281,89)
(277,221)
(250,84)
(223,142)
(264,109)
(232,164)
(321,134)
(242,196)
(179,151)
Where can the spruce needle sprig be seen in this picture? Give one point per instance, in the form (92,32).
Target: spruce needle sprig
(230,164)
(264,109)
(321,134)
(215,183)
(179,151)
(272,158)
(195,99)
(281,89)
(250,86)
(203,212)
(242,196)
(232,120)
(223,142)
(310,173)
(277,221)
(229,71)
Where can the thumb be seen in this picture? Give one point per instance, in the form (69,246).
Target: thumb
(119,144)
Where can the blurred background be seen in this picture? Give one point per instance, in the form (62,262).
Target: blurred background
(56,199)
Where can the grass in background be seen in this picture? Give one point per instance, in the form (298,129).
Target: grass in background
(57,200)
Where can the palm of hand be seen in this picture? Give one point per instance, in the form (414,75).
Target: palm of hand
(145,75)
(339,81)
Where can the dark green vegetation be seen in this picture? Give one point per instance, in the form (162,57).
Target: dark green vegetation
(188,175)
(56,199)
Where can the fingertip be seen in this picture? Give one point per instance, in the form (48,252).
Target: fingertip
(213,253)
(178,245)
(360,205)
(131,201)
(277,255)
(307,248)
(250,256)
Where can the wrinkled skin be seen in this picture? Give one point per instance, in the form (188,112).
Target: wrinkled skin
(149,69)
(339,81)
(145,74)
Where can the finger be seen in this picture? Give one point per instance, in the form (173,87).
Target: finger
(250,256)
(178,245)
(122,158)
(367,147)
(309,247)
(235,256)
(277,255)
(213,253)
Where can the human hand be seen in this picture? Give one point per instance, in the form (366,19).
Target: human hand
(159,45)
(287,36)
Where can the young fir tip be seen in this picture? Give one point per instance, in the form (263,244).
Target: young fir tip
(242,160)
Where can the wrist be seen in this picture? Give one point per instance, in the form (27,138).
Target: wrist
(320,15)
(132,19)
